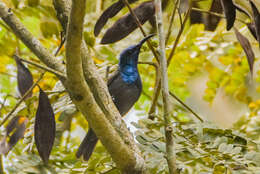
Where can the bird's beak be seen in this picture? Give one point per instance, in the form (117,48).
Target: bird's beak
(145,39)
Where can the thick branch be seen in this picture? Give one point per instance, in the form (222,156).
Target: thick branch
(87,104)
(28,39)
(84,99)
(170,154)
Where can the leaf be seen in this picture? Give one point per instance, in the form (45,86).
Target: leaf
(251,27)
(44,128)
(256,20)
(212,21)
(17,125)
(24,77)
(49,28)
(230,12)
(126,24)
(110,12)
(247,48)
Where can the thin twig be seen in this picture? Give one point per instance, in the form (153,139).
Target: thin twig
(141,28)
(178,37)
(59,74)
(28,39)
(155,95)
(158,83)
(171,22)
(63,39)
(107,72)
(7,74)
(3,104)
(170,152)
(21,100)
(55,92)
(187,107)
(149,63)
(215,14)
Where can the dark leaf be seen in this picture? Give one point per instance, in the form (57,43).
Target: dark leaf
(12,125)
(195,16)
(125,25)
(19,133)
(110,12)
(44,128)
(230,12)
(24,77)
(251,27)
(17,125)
(247,48)
(256,21)
(211,20)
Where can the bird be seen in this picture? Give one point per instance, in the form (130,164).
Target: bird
(125,88)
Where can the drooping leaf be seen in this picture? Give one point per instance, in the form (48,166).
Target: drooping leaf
(195,16)
(212,21)
(247,48)
(24,77)
(251,27)
(14,131)
(256,20)
(230,12)
(44,128)
(110,12)
(126,24)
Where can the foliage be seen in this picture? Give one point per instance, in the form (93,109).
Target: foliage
(200,147)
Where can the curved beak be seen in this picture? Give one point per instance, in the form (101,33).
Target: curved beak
(145,39)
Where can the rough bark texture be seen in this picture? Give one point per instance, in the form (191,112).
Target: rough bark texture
(130,161)
(100,92)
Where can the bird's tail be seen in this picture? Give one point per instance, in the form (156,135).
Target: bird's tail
(87,146)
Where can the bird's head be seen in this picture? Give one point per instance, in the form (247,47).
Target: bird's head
(129,56)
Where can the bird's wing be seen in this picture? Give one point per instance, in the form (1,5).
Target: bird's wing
(113,77)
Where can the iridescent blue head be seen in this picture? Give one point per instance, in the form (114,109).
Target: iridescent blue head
(128,61)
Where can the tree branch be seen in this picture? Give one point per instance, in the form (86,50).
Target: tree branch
(129,162)
(57,73)
(178,37)
(28,39)
(82,96)
(187,107)
(170,153)
(171,22)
